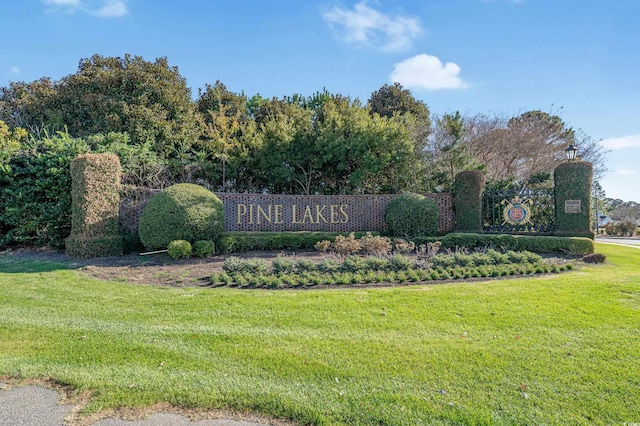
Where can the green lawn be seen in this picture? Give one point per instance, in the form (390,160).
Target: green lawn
(556,349)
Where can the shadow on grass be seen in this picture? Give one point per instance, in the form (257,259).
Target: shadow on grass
(11,265)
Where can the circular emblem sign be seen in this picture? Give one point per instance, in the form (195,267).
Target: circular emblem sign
(516,212)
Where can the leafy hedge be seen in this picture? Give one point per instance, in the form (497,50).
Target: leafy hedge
(35,191)
(538,244)
(181,212)
(467,199)
(411,214)
(95,206)
(247,241)
(573,182)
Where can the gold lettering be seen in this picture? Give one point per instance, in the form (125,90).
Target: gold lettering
(261,212)
(334,213)
(242,210)
(319,215)
(250,214)
(277,212)
(307,214)
(293,214)
(345,215)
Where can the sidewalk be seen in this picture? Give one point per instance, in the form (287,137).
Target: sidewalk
(34,405)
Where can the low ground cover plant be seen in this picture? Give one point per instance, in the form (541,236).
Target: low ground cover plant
(398,268)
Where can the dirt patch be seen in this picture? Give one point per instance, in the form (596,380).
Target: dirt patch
(161,269)
(157,269)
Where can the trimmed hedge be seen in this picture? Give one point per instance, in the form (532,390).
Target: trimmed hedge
(181,212)
(231,242)
(573,182)
(467,200)
(95,195)
(539,244)
(411,214)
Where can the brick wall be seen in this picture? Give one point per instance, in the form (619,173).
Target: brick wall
(256,212)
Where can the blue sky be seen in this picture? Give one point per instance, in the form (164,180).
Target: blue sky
(577,58)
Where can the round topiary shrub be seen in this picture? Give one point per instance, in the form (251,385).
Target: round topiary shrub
(179,249)
(412,215)
(204,248)
(181,212)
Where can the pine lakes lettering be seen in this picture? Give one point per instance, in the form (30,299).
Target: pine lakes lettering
(276,214)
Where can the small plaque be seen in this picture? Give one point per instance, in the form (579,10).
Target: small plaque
(572,206)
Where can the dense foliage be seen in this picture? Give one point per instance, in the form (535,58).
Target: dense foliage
(411,215)
(573,184)
(181,212)
(323,143)
(35,191)
(95,204)
(467,192)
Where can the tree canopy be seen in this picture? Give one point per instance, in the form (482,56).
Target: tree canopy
(323,143)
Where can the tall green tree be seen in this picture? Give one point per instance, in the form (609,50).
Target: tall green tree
(451,151)
(28,105)
(228,135)
(395,101)
(148,100)
(361,153)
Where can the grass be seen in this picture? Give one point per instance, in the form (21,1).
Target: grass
(558,349)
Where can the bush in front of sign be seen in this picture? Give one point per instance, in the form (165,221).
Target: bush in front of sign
(181,212)
(179,249)
(412,215)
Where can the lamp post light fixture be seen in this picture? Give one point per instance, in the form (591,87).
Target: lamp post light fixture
(571,152)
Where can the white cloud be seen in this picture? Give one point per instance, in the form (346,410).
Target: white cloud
(626,172)
(112,9)
(14,71)
(426,72)
(365,26)
(631,141)
(100,8)
(70,3)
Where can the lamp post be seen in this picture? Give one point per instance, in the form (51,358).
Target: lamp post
(571,152)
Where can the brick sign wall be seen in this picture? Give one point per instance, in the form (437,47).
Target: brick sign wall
(333,213)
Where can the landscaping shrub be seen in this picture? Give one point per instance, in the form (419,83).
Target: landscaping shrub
(231,242)
(538,244)
(305,265)
(376,264)
(282,265)
(204,248)
(256,266)
(323,246)
(573,182)
(354,264)
(95,206)
(35,191)
(344,246)
(181,212)
(442,261)
(375,245)
(594,258)
(402,246)
(467,191)
(399,262)
(233,265)
(329,266)
(411,215)
(179,249)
